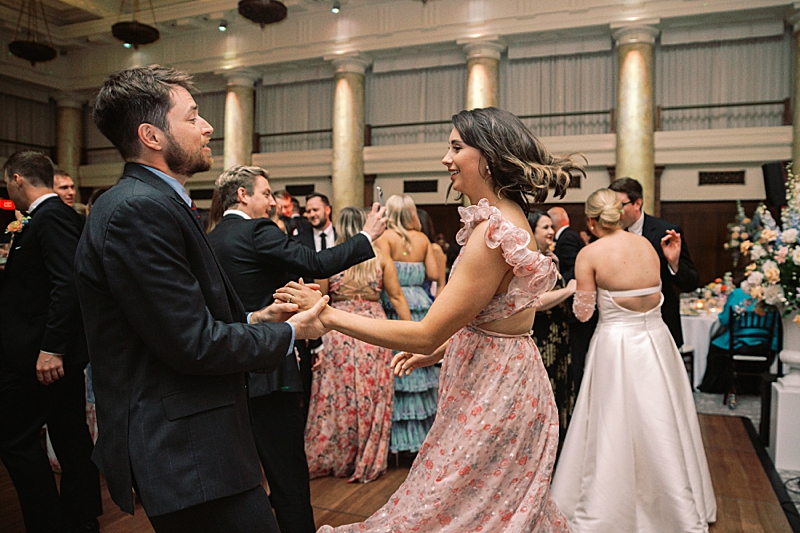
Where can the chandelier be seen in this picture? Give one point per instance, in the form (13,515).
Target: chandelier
(29,47)
(262,11)
(132,32)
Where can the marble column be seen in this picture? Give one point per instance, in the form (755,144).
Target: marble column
(239,113)
(635,156)
(795,21)
(347,178)
(483,74)
(69,137)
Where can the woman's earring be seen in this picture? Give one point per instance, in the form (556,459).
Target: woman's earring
(489,170)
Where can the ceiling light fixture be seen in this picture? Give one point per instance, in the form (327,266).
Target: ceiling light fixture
(134,32)
(223,25)
(30,48)
(262,11)
(336,8)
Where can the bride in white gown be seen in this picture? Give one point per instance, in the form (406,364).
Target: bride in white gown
(633,458)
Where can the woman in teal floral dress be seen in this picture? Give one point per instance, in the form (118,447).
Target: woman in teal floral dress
(415,396)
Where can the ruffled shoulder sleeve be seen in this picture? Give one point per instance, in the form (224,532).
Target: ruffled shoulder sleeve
(534,273)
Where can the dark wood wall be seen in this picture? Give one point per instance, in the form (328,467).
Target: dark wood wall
(704,227)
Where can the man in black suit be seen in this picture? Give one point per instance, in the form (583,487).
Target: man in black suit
(677,270)
(568,244)
(260,258)
(292,221)
(318,235)
(43,356)
(169,339)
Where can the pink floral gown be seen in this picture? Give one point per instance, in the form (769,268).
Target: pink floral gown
(487,460)
(352,394)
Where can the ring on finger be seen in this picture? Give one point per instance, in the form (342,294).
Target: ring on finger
(290,298)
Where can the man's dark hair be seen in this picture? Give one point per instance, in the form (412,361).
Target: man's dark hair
(320,196)
(628,186)
(35,167)
(134,96)
(61,172)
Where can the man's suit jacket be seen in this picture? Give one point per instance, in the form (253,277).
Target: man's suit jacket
(306,237)
(568,245)
(259,258)
(169,351)
(39,309)
(686,279)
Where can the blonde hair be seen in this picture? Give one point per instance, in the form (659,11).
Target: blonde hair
(605,206)
(349,224)
(402,216)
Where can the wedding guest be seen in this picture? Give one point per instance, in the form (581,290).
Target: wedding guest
(426,226)
(550,327)
(350,415)
(415,396)
(486,462)
(633,458)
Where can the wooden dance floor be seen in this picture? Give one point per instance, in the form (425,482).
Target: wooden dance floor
(746,501)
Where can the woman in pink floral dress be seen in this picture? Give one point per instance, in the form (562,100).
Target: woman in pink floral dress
(487,461)
(350,413)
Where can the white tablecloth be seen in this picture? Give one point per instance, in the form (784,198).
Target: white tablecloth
(697,332)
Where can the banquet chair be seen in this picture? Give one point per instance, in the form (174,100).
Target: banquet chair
(754,357)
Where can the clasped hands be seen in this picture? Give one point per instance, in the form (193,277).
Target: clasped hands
(300,304)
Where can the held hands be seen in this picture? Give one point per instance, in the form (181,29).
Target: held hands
(298,294)
(376,221)
(671,246)
(404,362)
(49,368)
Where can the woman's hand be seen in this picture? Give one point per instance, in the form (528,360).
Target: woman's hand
(571,286)
(304,296)
(404,362)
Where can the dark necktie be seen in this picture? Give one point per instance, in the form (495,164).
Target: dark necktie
(322,244)
(194,209)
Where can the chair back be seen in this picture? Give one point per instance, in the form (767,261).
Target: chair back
(754,333)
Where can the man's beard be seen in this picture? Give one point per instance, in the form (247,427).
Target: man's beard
(182,162)
(323,222)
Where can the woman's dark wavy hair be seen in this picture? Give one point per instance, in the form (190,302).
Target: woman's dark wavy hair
(520,165)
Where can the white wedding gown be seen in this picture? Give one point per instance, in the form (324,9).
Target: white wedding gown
(633,458)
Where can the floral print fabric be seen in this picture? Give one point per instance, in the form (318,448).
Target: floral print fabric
(486,463)
(350,413)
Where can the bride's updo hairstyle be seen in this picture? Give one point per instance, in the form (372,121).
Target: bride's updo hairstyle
(520,165)
(604,205)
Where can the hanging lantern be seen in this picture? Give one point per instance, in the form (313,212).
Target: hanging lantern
(262,11)
(29,47)
(133,32)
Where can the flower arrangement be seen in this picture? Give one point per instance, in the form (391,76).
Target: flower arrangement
(773,277)
(739,231)
(720,288)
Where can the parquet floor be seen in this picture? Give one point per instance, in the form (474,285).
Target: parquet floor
(746,501)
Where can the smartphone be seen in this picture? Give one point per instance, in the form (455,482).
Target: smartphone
(380,195)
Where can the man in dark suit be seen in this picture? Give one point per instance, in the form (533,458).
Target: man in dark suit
(168,337)
(677,270)
(43,356)
(568,244)
(318,235)
(260,258)
(292,221)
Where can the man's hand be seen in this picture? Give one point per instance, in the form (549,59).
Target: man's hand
(307,324)
(299,294)
(49,368)
(671,246)
(275,312)
(376,221)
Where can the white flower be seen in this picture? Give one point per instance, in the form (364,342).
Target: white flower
(773,294)
(755,279)
(796,256)
(789,236)
(757,252)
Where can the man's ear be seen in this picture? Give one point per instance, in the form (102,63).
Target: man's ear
(241,195)
(150,136)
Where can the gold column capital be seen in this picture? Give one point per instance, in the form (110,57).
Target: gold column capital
(70,100)
(794,18)
(635,32)
(240,77)
(489,46)
(352,62)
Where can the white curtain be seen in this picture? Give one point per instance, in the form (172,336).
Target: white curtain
(26,125)
(295,107)
(427,95)
(752,70)
(560,84)
(211,106)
